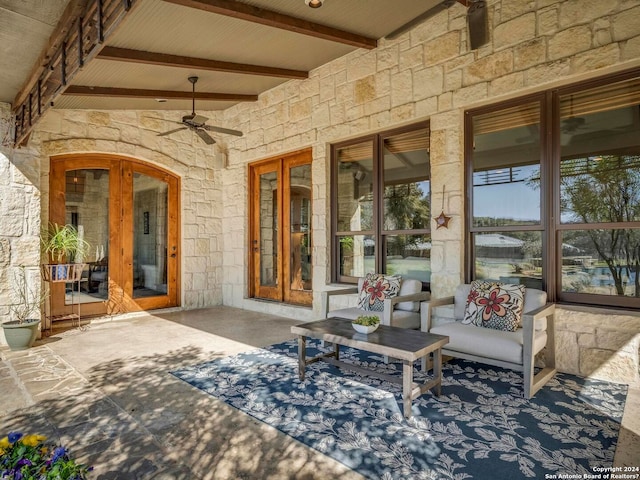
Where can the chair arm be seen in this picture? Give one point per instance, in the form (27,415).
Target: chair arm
(327,294)
(532,319)
(390,303)
(425,316)
(529,322)
(411,297)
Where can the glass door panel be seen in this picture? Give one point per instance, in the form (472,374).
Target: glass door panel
(269,229)
(87,209)
(299,193)
(150,196)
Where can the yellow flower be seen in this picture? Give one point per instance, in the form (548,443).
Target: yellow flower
(33,440)
(4,442)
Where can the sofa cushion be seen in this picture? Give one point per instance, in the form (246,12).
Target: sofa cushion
(487,343)
(400,318)
(533,299)
(409,286)
(375,288)
(494,305)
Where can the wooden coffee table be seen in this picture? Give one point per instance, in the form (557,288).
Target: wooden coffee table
(404,344)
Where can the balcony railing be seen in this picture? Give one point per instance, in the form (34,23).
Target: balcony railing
(85,37)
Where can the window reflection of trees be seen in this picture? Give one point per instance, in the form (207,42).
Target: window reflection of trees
(598,190)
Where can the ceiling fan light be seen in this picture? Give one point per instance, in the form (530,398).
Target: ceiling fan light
(314,3)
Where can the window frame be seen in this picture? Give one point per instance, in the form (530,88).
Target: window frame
(550,191)
(377,232)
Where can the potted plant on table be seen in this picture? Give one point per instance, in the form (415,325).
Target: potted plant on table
(21,331)
(366,323)
(63,243)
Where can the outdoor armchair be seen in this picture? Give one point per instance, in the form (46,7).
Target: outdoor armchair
(514,350)
(404,310)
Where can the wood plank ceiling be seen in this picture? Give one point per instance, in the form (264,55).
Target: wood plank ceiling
(129,54)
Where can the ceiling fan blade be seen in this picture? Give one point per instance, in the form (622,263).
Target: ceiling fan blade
(478,24)
(198,120)
(211,128)
(172,131)
(205,136)
(420,18)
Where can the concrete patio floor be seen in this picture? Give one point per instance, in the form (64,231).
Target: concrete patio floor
(106,393)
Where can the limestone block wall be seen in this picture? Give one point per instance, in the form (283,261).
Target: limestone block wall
(19,218)
(134,134)
(599,343)
(429,73)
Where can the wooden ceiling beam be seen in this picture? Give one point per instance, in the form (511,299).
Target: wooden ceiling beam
(270,18)
(88,91)
(166,60)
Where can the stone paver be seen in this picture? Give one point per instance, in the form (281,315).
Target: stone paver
(107,394)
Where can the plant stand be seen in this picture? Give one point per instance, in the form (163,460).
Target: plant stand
(63,273)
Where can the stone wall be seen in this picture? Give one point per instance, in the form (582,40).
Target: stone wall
(19,217)
(426,74)
(429,73)
(599,343)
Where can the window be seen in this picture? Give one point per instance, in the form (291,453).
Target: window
(381,205)
(554,189)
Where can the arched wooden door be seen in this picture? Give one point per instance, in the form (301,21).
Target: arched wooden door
(128,211)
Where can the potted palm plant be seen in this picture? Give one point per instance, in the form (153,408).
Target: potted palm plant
(60,244)
(22,329)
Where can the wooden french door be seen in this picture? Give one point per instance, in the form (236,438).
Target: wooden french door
(280,233)
(128,212)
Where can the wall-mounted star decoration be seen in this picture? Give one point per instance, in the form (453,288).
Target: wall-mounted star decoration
(442,220)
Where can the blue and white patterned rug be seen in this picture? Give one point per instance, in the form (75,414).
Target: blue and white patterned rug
(480,427)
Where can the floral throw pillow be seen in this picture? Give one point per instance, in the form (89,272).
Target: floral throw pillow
(377,287)
(494,305)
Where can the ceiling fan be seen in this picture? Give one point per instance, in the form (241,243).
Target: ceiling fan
(477,21)
(197,123)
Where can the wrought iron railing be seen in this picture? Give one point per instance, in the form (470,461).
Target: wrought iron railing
(85,37)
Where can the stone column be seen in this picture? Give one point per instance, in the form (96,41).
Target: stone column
(19,215)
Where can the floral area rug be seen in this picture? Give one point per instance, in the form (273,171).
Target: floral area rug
(480,427)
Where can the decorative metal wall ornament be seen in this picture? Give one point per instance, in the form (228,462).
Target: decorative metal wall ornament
(443,219)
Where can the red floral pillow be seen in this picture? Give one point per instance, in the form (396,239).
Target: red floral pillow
(377,287)
(494,305)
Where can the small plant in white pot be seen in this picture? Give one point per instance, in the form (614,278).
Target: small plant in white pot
(366,323)
(63,243)
(22,329)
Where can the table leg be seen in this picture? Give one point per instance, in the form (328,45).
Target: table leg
(437,370)
(407,383)
(302,355)
(336,351)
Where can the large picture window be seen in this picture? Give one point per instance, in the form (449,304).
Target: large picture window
(381,205)
(554,189)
